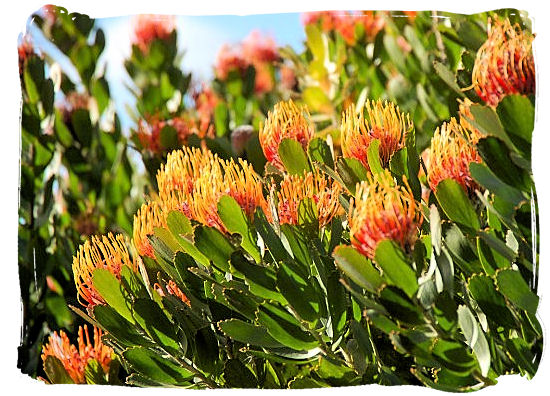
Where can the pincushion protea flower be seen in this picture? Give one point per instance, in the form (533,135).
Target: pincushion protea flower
(344,22)
(148,28)
(236,179)
(322,190)
(146,219)
(504,64)
(192,181)
(451,152)
(106,251)
(287,121)
(384,122)
(383,210)
(75,359)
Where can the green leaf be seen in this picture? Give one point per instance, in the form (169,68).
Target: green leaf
(351,171)
(169,138)
(293,157)
(447,76)
(358,268)
(522,355)
(94,373)
(396,268)
(513,286)
(373,157)
(179,224)
(237,375)
(214,245)
(221,119)
(235,220)
(56,372)
(486,178)
(487,122)
(284,328)
(153,320)
(492,303)
(122,330)
(517,114)
(400,307)
(475,338)
(315,42)
(112,291)
(82,126)
(272,241)
(156,367)
(61,130)
(248,333)
(455,203)
(319,151)
(299,293)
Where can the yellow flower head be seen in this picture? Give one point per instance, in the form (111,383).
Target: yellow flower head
(322,190)
(383,210)
(287,121)
(504,64)
(147,218)
(75,359)
(383,121)
(108,252)
(451,151)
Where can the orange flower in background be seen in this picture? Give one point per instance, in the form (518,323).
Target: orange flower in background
(451,152)
(75,359)
(229,58)
(206,101)
(383,121)
(146,219)
(106,251)
(383,210)
(345,22)
(321,189)
(25,50)
(149,131)
(259,49)
(263,81)
(148,28)
(504,64)
(286,121)
(288,77)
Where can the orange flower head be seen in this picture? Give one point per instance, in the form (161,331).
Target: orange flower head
(108,252)
(451,152)
(345,22)
(25,50)
(205,100)
(504,64)
(286,121)
(75,359)
(182,168)
(147,218)
(384,122)
(322,190)
(148,28)
(236,179)
(383,210)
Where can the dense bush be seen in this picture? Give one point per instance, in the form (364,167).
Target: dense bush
(361,212)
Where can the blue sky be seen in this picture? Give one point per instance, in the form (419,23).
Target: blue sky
(199,36)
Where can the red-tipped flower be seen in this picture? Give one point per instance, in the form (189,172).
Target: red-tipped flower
(75,359)
(451,152)
(383,121)
(287,121)
(383,210)
(504,64)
